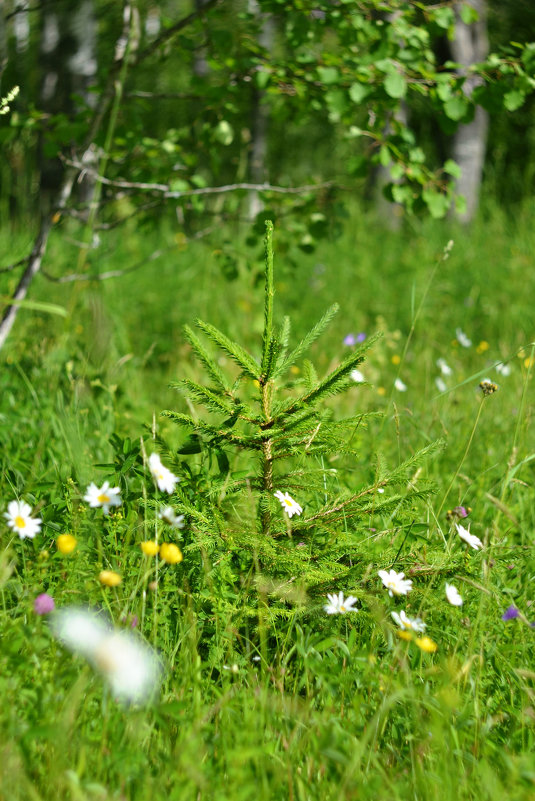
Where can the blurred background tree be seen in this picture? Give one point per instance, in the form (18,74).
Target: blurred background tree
(214,110)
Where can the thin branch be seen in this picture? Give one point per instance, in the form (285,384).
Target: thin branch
(167,192)
(168,33)
(15,264)
(66,279)
(33,267)
(164,96)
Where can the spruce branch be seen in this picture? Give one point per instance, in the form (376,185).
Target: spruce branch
(307,341)
(238,354)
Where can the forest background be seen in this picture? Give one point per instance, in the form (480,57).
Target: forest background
(392,144)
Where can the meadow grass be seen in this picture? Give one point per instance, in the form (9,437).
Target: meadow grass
(300,705)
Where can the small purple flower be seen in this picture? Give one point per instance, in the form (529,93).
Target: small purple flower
(510,613)
(134,621)
(43,604)
(461,511)
(361,337)
(350,340)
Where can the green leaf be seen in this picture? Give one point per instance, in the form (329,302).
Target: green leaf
(224,133)
(395,85)
(328,75)
(452,168)
(469,14)
(336,100)
(384,156)
(456,107)
(37,305)
(514,99)
(443,17)
(437,202)
(357,92)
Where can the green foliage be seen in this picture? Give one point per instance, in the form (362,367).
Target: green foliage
(265,695)
(285,429)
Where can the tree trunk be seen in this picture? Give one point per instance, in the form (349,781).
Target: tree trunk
(259,119)
(69,66)
(469,46)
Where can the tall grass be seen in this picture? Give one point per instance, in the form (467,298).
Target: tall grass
(311,706)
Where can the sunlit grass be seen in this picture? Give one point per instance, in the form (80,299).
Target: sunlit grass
(308,705)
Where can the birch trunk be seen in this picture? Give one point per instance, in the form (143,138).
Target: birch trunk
(469,46)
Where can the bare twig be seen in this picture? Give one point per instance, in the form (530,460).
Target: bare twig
(33,266)
(66,279)
(167,192)
(13,266)
(168,33)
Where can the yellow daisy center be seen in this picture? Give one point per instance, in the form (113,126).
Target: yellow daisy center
(287,502)
(343,609)
(20,522)
(103,498)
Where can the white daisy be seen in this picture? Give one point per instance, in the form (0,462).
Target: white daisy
(290,506)
(452,594)
(338,605)
(106,496)
(395,583)
(444,367)
(357,376)
(19,519)
(399,385)
(441,384)
(168,516)
(407,623)
(163,477)
(471,539)
(462,339)
(130,666)
(503,369)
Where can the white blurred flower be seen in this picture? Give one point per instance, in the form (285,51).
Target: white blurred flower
(163,477)
(290,506)
(503,369)
(338,605)
(409,624)
(471,539)
(106,496)
(452,594)
(462,339)
(357,376)
(167,514)
(399,385)
(395,583)
(130,666)
(444,367)
(441,384)
(19,519)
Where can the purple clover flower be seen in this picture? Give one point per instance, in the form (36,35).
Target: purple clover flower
(510,613)
(43,604)
(350,340)
(461,511)
(361,337)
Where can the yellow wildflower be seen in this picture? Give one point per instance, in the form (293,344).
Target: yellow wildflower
(66,543)
(406,635)
(426,644)
(109,578)
(170,553)
(483,346)
(150,548)
(396,359)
